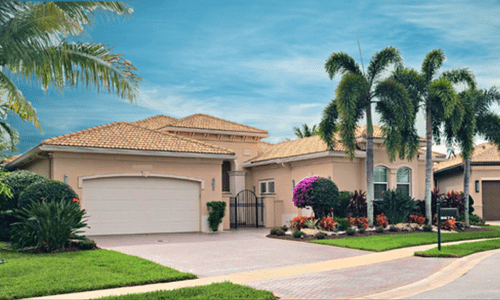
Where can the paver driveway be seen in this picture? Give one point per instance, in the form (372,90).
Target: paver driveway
(223,253)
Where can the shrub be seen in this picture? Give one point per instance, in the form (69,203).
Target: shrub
(37,228)
(381,220)
(284,228)
(217,213)
(311,223)
(380,229)
(274,231)
(357,205)
(451,199)
(46,190)
(393,228)
(396,206)
(327,223)
(86,244)
(448,224)
(351,231)
(475,220)
(418,219)
(280,232)
(319,193)
(362,230)
(16,181)
(344,200)
(427,227)
(299,222)
(297,234)
(360,222)
(342,224)
(320,235)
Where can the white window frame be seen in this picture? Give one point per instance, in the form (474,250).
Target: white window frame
(405,183)
(266,182)
(380,182)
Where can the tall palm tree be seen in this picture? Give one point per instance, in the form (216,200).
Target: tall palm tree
(40,42)
(439,101)
(353,98)
(478,120)
(305,132)
(8,135)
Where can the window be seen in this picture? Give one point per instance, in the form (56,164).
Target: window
(226,167)
(267,186)
(380,182)
(403,178)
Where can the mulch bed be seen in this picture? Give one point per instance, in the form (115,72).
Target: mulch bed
(367,233)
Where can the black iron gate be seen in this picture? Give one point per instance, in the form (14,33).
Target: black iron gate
(247,210)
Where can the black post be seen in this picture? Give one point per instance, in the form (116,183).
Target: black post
(438,208)
(257,212)
(235,212)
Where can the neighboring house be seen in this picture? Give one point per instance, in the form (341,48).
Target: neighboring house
(484,179)
(157,174)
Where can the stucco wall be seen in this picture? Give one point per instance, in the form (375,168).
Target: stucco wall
(78,165)
(40,167)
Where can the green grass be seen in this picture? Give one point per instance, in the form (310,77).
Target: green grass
(222,291)
(29,275)
(461,250)
(388,242)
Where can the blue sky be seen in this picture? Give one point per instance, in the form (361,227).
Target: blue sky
(261,63)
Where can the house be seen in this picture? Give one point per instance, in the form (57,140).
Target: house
(157,174)
(484,179)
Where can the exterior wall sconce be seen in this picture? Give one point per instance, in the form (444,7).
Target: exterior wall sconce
(293,183)
(329,177)
(213,184)
(66,178)
(477,186)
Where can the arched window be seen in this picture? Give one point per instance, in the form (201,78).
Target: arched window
(380,182)
(404,179)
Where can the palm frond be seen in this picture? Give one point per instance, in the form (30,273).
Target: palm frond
(432,63)
(414,83)
(445,98)
(16,101)
(381,60)
(328,126)
(461,76)
(340,62)
(298,133)
(463,117)
(85,12)
(488,125)
(9,138)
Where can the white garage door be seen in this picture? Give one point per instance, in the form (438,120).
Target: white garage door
(129,205)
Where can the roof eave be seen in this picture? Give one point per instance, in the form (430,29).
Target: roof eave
(248,164)
(228,132)
(24,157)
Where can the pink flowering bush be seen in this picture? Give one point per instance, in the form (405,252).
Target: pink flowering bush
(319,193)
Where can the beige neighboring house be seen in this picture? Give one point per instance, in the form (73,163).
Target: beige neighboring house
(484,179)
(157,174)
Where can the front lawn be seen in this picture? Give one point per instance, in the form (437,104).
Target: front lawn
(388,242)
(461,249)
(29,275)
(225,290)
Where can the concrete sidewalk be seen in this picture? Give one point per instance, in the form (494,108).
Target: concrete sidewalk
(264,275)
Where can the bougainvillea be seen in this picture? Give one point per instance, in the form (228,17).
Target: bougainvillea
(321,194)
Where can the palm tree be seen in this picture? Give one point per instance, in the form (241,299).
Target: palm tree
(353,98)
(478,120)
(40,42)
(305,132)
(8,135)
(438,99)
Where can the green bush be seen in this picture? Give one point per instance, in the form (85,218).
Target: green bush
(284,228)
(274,231)
(86,244)
(320,235)
(475,220)
(427,227)
(297,234)
(362,229)
(217,213)
(380,229)
(342,224)
(319,193)
(16,181)
(344,200)
(280,232)
(351,231)
(46,190)
(393,228)
(396,206)
(48,225)
(357,205)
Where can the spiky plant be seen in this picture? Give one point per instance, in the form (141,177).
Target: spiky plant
(305,132)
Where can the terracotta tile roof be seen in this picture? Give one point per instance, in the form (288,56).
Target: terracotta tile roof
(201,121)
(377,132)
(436,154)
(156,122)
(6,161)
(123,135)
(483,153)
(263,146)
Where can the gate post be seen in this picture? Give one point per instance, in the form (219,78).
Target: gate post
(257,212)
(235,212)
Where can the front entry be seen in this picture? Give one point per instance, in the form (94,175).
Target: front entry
(246,210)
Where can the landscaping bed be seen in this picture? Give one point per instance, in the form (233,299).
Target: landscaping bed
(461,250)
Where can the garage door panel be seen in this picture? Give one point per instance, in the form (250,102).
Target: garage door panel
(130,205)
(491,200)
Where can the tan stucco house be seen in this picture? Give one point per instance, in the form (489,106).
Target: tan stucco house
(157,174)
(484,179)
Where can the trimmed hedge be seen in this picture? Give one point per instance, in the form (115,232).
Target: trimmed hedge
(47,190)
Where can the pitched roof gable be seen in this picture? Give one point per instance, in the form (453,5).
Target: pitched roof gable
(202,121)
(483,153)
(123,135)
(156,122)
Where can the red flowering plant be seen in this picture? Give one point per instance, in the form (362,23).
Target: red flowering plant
(418,219)
(447,225)
(381,220)
(327,223)
(299,222)
(358,222)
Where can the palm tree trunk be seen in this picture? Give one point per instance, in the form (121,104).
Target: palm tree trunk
(428,167)
(369,165)
(466,188)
